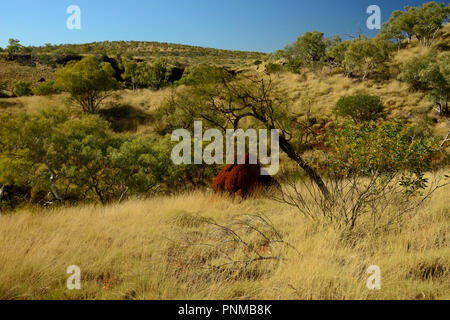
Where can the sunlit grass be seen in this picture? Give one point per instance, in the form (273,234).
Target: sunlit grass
(139,250)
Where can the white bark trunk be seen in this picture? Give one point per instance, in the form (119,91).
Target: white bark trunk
(53,177)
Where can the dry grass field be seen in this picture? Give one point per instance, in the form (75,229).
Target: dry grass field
(170,248)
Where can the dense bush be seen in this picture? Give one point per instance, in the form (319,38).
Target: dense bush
(274,67)
(310,48)
(368,167)
(21,88)
(383,147)
(14,46)
(336,52)
(295,65)
(203,74)
(432,75)
(88,81)
(55,157)
(359,107)
(374,164)
(422,22)
(363,56)
(144,75)
(45,89)
(411,71)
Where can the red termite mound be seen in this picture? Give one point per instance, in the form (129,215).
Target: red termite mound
(241,179)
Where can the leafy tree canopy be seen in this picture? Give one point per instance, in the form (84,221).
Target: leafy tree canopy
(88,81)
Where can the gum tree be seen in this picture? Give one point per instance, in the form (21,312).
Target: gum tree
(234,103)
(365,55)
(310,47)
(88,81)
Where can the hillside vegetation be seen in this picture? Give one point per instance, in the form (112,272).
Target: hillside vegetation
(87,178)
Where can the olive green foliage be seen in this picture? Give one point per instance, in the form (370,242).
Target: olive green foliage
(273,68)
(295,65)
(363,56)
(394,28)
(430,74)
(310,48)
(61,158)
(144,75)
(88,81)
(422,22)
(337,51)
(158,75)
(45,89)
(370,165)
(203,74)
(384,149)
(359,107)
(20,88)
(152,51)
(14,46)
(438,79)
(134,73)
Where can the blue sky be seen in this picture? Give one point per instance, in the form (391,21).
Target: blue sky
(255,25)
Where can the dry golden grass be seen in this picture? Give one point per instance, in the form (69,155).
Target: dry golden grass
(325,90)
(143,101)
(146,99)
(139,250)
(33,104)
(11,70)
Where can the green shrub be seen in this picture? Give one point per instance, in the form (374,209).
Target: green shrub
(364,56)
(45,89)
(186,79)
(295,65)
(411,72)
(310,48)
(274,67)
(430,74)
(21,88)
(203,74)
(61,158)
(359,107)
(88,81)
(385,148)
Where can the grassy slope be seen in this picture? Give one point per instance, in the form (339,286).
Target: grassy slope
(314,91)
(11,70)
(184,54)
(137,250)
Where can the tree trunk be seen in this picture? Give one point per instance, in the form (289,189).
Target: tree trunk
(312,174)
(365,75)
(99,194)
(53,187)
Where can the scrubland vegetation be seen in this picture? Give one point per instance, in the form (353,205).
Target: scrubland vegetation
(86,177)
